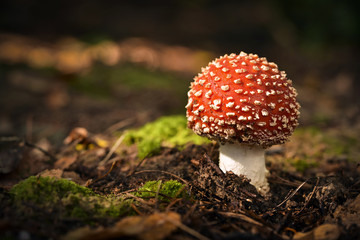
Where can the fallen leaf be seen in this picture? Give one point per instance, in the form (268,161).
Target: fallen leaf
(60,174)
(156,226)
(77,134)
(322,232)
(54,173)
(101,142)
(73,176)
(65,162)
(327,232)
(349,213)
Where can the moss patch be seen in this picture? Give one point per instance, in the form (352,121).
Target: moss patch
(169,131)
(332,143)
(66,198)
(311,147)
(167,190)
(103,80)
(302,165)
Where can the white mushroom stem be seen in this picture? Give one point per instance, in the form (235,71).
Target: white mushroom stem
(245,160)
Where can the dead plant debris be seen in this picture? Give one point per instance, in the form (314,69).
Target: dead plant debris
(215,206)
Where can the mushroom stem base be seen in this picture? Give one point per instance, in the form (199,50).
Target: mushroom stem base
(245,160)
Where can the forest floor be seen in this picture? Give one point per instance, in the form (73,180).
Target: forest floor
(67,174)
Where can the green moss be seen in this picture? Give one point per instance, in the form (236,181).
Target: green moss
(341,145)
(103,80)
(333,143)
(46,190)
(167,190)
(137,77)
(65,197)
(302,165)
(169,131)
(312,146)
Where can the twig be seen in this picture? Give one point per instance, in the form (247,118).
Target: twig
(164,172)
(241,216)
(309,196)
(112,150)
(131,172)
(133,206)
(172,203)
(103,176)
(279,180)
(41,150)
(28,144)
(292,194)
(186,229)
(119,125)
(251,220)
(128,191)
(139,199)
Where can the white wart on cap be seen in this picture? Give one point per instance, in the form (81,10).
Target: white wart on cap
(243,98)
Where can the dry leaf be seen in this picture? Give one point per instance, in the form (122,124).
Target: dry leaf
(77,134)
(156,226)
(323,232)
(73,176)
(54,173)
(60,174)
(65,162)
(327,232)
(349,213)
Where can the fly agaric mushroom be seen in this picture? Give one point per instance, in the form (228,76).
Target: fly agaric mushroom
(247,104)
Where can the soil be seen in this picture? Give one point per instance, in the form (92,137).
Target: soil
(223,206)
(314,186)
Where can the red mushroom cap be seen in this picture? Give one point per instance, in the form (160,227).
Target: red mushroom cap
(243,98)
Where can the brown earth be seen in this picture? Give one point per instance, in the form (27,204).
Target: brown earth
(319,201)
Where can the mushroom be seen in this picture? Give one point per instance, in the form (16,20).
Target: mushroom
(247,104)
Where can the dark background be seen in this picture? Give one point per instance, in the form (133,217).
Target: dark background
(316,42)
(223,25)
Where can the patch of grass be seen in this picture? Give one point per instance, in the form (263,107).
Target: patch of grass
(66,198)
(167,190)
(168,131)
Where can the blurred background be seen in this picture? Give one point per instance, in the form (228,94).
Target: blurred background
(107,65)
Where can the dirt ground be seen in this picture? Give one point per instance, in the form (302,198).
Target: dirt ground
(314,178)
